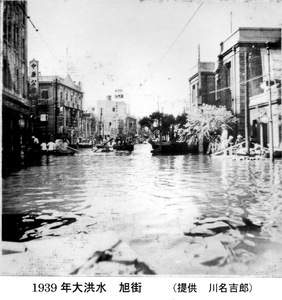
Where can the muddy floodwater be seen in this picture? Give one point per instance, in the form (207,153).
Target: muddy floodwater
(184,215)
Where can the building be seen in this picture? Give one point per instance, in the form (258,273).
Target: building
(131,127)
(242,80)
(56,106)
(88,128)
(111,118)
(15,103)
(202,86)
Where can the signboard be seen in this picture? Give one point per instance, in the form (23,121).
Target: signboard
(33,77)
(43,117)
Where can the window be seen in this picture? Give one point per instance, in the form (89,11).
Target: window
(44,94)
(217,88)
(5,73)
(9,30)
(17,83)
(16,36)
(227,74)
(23,88)
(114,109)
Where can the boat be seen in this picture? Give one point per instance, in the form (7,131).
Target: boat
(169,147)
(61,152)
(81,145)
(129,147)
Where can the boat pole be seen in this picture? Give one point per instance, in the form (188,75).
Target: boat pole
(270,121)
(56,104)
(247,113)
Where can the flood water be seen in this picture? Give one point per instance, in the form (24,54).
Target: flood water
(183,215)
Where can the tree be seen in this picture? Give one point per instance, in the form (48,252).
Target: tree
(158,123)
(181,120)
(205,124)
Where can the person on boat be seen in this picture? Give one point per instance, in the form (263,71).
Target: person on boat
(239,139)
(65,145)
(43,147)
(230,141)
(51,146)
(35,140)
(59,144)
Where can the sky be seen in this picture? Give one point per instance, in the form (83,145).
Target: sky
(147,48)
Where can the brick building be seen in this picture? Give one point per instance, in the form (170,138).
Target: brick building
(15,103)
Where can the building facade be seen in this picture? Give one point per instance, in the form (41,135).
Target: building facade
(56,107)
(111,118)
(15,103)
(246,61)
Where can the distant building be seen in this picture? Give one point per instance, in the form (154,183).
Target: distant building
(131,127)
(57,108)
(246,49)
(89,124)
(111,118)
(202,86)
(16,106)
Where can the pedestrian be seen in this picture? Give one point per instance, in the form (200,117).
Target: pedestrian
(224,137)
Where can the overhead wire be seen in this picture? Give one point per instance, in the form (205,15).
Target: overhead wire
(37,30)
(173,43)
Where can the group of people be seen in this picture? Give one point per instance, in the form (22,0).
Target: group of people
(61,144)
(227,141)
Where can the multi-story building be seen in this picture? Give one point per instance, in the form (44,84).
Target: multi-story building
(247,59)
(16,106)
(56,106)
(202,86)
(111,118)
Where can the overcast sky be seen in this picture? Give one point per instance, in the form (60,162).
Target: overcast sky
(146,48)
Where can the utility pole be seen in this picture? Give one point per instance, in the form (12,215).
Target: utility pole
(247,115)
(56,104)
(199,96)
(270,107)
(101,112)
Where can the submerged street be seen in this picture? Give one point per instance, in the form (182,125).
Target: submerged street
(186,214)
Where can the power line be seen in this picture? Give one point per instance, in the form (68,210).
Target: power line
(175,40)
(37,30)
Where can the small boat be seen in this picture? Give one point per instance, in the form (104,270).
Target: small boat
(169,147)
(83,144)
(61,152)
(124,147)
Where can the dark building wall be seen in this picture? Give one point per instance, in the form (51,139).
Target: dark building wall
(16,106)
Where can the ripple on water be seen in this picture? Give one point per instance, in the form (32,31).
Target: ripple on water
(150,202)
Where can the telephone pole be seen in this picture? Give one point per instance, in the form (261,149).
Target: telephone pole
(247,114)
(56,104)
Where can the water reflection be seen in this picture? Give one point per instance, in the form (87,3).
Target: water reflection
(183,214)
